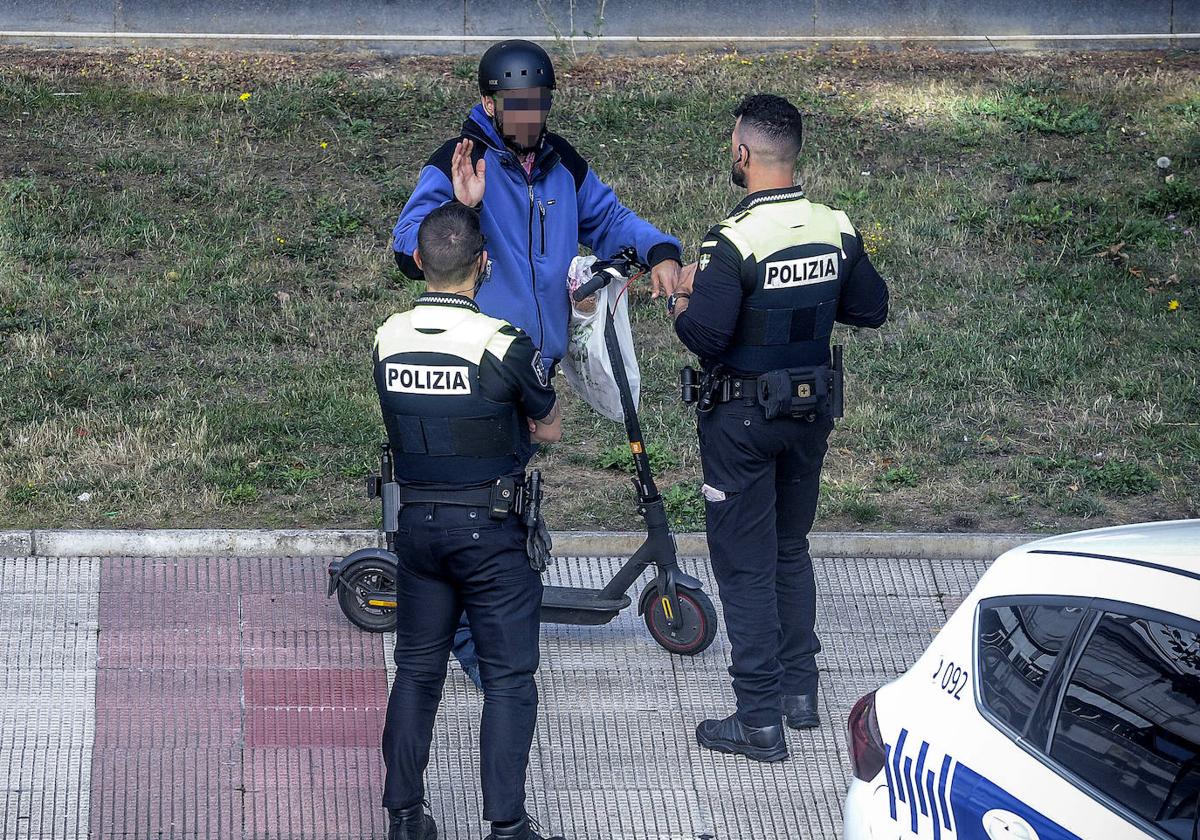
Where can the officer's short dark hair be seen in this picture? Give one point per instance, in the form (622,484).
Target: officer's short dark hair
(449,241)
(775,121)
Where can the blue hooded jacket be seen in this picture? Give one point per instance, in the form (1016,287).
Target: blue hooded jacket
(534,225)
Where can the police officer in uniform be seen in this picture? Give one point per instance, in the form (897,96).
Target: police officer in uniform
(758,308)
(463,396)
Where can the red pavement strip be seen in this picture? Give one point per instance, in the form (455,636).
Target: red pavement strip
(233,702)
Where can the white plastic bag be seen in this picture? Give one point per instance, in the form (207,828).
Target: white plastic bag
(587,366)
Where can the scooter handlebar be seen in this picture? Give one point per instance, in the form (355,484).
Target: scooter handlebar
(599,280)
(622,265)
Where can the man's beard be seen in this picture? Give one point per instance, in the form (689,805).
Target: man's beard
(737,174)
(535,141)
(523,149)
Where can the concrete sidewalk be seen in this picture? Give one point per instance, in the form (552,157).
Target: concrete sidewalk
(228,698)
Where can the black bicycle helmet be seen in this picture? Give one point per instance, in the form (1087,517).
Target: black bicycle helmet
(514,65)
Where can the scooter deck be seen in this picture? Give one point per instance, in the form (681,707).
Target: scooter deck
(570,605)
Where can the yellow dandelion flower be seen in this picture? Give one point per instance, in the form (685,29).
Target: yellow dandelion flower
(324,145)
(244,97)
(1172,305)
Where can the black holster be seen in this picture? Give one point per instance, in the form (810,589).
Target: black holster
(537,540)
(704,389)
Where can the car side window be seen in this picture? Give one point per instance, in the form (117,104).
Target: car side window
(1130,719)
(1018,646)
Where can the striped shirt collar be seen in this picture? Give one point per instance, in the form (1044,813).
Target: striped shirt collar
(446,299)
(766,196)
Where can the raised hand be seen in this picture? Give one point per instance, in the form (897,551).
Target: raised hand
(468,180)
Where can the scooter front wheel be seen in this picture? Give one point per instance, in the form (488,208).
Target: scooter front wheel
(367,595)
(695,630)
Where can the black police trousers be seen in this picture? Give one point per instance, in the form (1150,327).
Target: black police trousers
(455,558)
(762,478)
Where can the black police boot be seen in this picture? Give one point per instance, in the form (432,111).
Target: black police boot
(411,823)
(761,743)
(801,711)
(523,829)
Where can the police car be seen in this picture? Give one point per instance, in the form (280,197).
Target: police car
(1061,700)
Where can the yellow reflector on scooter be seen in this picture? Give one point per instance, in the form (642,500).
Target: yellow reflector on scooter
(371,602)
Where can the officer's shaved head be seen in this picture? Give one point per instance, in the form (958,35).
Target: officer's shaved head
(448,244)
(770,127)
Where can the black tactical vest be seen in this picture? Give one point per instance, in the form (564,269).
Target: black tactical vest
(793,259)
(441,427)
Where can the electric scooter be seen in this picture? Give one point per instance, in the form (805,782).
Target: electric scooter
(678,613)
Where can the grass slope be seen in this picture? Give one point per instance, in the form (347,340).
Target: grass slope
(194,256)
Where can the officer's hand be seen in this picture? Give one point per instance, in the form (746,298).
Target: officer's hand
(664,278)
(468,180)
(687,277)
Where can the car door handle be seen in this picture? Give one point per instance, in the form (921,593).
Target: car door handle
(1005,825)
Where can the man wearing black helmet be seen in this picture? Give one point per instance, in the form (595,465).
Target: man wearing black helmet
(538,201)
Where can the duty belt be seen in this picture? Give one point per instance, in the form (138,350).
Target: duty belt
(795,392)
(504,496)
(729,388)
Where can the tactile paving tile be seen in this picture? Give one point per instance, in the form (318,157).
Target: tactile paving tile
(48,636)
(958,577)
(342,687)
(194,647)
(233,700)
(170,575)
(605,750)
(283,575)
(47,575)
(51,611)
(166,612)
(314,727)
(157,792)
(313,793)
(867,613)
(343,647)
(874,575)
(275,611)
(182,690)
(619,814)
(882,652)
(28,649)
(41,793)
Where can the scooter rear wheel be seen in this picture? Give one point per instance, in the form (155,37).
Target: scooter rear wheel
(363,577)
(694,633)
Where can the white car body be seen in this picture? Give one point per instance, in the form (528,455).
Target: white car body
(953,771)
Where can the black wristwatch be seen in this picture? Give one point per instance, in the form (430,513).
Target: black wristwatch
(674,299)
